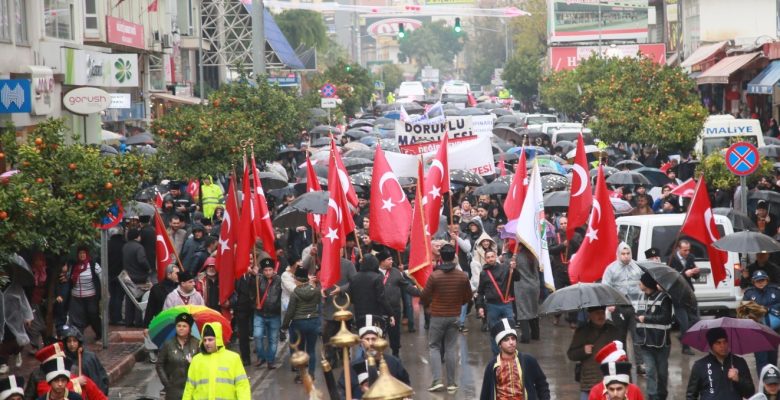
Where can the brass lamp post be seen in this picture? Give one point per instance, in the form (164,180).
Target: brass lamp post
(386,387)
(344,339)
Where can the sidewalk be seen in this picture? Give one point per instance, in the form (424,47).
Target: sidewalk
(125,347)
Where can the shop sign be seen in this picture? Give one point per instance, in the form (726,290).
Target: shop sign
(86,100)
(124,33)
(15,96)
(43,89)
(120,100)
(92,68)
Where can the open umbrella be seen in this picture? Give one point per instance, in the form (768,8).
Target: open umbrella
(771,150)
(286,151)
(271,180)
(19,271)
(558,199)
(324,130)
(488,105)
(627,178)
(137,209)
(607,171)
(620,206)
(300,186)
(473,111)
(465,177)
(357,134)
(507,120)
(295,214)
(356,146)
(768,195)
(507,133)
(361,122)
(771,140)
(745,336)
(564,146)
(582,296)
(361,178)
(654,175)
(141,138)
(748,242)
(506,179)
(501,111)
(356,164)
(507,157)
(320,170)
(320,142)
(367,154)
(588,149)
(280,193)
(558,160)
(739,220)
(553,182)
(106,150)
(495,187)
(630,164)
(163,326)
(671,282)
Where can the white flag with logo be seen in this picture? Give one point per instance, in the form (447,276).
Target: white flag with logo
(532,226)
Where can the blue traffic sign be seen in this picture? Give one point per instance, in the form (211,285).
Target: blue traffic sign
(15,96)
(742,158)
(328,90)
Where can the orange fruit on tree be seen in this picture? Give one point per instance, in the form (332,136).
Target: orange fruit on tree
(108,185)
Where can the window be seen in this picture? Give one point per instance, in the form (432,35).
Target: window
(630,234)
(5,21)
(58,18)
(90,18)
(665,239)
(156,73)
(20,15)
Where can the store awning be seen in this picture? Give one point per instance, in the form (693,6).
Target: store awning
(720,72)
(702,54)
(765,82)
(176,99)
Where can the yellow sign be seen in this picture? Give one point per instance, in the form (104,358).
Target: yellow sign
(447,2)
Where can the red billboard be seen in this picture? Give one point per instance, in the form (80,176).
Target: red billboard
(569,57)
(124,33)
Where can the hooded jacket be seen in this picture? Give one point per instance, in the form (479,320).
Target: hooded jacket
(90,365)
(304,304)
(217,375)
(211,195)
(761,394)
(367,290)
(624,277)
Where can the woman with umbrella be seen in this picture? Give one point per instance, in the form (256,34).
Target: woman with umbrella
(175,356)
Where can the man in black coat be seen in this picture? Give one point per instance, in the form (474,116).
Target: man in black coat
(116,242)
(246,303)
(684,262)
(368,292)
(196,242)
(719,375)
(331,326)
(149,242)
(138,269)
(394,285)
(159,292)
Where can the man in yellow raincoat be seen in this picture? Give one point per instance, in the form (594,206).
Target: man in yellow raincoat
(212,196)
(216,372)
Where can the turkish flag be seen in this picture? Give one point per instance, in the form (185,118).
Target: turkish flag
(193,188)
(334,235)
(312,185)
(152,7)
(227,244)
(502,165)
(264,229)
(166,254)
(700,225)
(436,183)
(600,242)
(516,195)
(685,189)
(420,262)
(337,174)
(246,235)
(158,199)
(581,195)
(390,212)
(346,184)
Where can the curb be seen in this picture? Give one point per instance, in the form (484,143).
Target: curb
(125,365)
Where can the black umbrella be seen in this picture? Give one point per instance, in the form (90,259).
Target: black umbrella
(771,150)
(357,134)
(300,187)
(654,175)
(320,170)
(151,192)
(768,195)
(361,122)
(320,142)
(20,271)
(280,193)
(506,179)
(552,157)
(356,164)
(582,296)
(473,111)
(511,120)
(388,145)
(771,140)
(366,154)
(312,202)
(272,180)
(630,164)
(361,179)
(564,146)
(627,178)
(507,133)
(324,130)
(739,220)
(464,177)
(671,281)
(552,183)
(318,113)
(748,242)
(287,150)
(495,187)
(141,138)
(507,157)
(556,200)
(106,150)
(608,171)
(501,111)
(488,105)
(137,209)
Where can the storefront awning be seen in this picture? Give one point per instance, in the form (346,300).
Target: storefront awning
(702,54)
(720,72)
(176,99)
(765,82)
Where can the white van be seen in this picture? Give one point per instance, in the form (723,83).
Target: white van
(412,90)
(720,131)
(660,231)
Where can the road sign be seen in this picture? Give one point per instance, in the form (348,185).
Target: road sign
(742,158)
(328,102)
(328,90)
(379,85)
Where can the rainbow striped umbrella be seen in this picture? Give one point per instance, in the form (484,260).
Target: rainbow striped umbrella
(163,326)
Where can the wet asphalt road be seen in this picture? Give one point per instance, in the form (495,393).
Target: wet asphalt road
(550,351)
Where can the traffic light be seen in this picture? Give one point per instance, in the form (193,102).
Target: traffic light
(458,28)
(401,33)
(348,68)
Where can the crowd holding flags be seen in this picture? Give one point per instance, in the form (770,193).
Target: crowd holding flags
(700,225)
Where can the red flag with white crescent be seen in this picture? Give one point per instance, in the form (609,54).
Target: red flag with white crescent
(227,244)
(581,194)
(334,234)
(166,254)
(312,185)
(700,224)
(264,229)
(246,233)
(346,183)
(685,189)
(420,261)
(390,212)
(516,195)
(437,182)
(338,175)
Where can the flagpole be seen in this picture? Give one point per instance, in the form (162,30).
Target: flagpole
(679,231)
(175,252)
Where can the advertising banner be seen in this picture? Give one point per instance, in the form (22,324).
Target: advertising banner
(92,68)
(473,155)
(419,138)
(124,33)
(569,57)
(15,96)
(581,20)
(482,124)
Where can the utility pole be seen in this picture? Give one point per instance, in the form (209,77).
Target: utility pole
(258,38)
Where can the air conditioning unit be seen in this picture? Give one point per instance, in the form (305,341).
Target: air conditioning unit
(167,41)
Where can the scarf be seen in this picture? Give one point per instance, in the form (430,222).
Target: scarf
(79,268)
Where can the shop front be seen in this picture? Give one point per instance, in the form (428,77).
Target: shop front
(722,86)
(763,89)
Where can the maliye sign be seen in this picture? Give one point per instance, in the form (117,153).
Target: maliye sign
(86,100)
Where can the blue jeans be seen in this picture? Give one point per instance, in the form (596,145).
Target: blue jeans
(657,367)
(309,329)
(266,328)
(462,318)
(495,312)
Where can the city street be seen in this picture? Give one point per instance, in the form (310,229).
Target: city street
(475,351)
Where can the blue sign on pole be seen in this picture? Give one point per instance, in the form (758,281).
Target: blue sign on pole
(742,158)
(328,90)
(15,96)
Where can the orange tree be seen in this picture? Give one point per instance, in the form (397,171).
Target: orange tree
(60,191)
(206,139)
(631,100)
